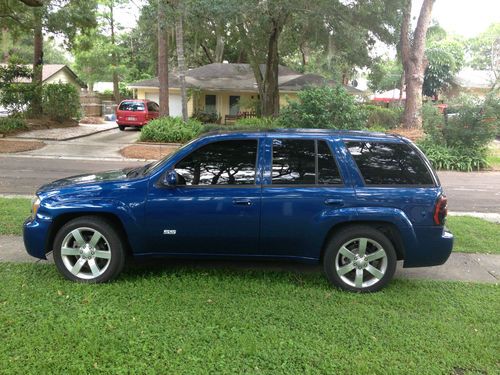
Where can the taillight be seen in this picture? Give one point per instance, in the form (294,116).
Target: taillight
(440,210)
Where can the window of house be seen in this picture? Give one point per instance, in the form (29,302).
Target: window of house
(389,163)
(210,103)
(219,163)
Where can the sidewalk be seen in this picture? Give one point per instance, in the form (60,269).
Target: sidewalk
(459,267)
(65,134)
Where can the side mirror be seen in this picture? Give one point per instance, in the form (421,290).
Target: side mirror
(170,178)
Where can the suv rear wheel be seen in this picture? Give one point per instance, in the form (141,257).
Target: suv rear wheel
(121,127)
(88,249)
(360,259)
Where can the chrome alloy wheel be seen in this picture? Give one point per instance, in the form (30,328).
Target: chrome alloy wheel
(86,253)
(361,262)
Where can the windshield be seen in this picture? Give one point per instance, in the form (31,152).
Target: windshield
(157,165)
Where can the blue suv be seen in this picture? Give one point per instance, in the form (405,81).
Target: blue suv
(355,201)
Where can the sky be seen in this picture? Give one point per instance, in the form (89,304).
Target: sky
(463,17)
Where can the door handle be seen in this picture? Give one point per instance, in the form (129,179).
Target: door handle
(242,202)
(334,202)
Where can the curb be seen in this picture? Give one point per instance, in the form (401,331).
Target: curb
(64,139)
(489,216)
(74,158)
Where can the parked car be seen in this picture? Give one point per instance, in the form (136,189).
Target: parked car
(354,201)
(136,112)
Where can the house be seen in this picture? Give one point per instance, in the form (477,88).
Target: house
(57,73)
(472,81)
(226,89)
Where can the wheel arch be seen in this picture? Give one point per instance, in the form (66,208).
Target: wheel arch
(390,230)
(112,218)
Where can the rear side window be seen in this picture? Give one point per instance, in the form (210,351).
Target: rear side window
(153,107)
(303,162)
(131,106)
(389,164)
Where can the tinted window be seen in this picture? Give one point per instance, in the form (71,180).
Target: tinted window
(220,163)
(328,172)
(293,162)
(389,164)
(131,106)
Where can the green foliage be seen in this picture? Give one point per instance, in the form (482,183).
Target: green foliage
(16,95)
(206,117)
(61,101)
(381,117)
(323,107)
(446,58)
(385,75)
(460,142)
(11,124)
(481,51)
(171,130)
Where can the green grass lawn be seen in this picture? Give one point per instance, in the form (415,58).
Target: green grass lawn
(176,320)
(471,234)
(493,157)
(13,212)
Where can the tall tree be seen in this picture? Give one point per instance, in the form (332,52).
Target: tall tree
(179,40)
(414,61)
(163,58)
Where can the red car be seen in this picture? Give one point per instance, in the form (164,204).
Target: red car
(136,112)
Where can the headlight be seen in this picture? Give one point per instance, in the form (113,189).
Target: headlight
(35,204)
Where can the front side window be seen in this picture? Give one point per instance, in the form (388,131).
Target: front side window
(219,163)
(389,163)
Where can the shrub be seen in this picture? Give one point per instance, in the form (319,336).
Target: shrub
(323,107)
(205,117)
(61,101)
(171,129)
(454,158)
(11,124)
(378,116)
(15,96)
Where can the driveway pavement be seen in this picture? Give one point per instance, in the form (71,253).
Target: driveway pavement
(459,267)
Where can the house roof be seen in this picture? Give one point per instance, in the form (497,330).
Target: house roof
(48,70)
(474,79)
(236,77)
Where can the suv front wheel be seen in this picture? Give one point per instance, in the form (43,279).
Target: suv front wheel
(88,249)
(360,259)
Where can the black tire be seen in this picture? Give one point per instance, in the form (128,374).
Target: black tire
(121,127)
(108,256)
(335,262)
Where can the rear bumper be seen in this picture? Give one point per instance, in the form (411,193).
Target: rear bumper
(125,123)
(35,235)
(433,248)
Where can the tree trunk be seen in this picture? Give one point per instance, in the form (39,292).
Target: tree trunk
(163,59)
(179,36)
(114,57)
(36,103)
(414,62)
(270,102)
(5,44)
(219,46)
(401,88)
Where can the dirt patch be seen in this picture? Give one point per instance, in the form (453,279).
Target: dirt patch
(7,147)
(92,120)
(149,152)
(44,122)
(412,134)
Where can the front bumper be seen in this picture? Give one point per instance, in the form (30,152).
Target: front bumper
(35,236)
(434,247)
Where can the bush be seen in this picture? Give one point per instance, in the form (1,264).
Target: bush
(61,101)
(171,130)
(454,158)
(206,117)
(460,141)
(11,124)
(323,107)
(377,116)
(15,96)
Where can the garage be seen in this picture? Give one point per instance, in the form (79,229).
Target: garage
(174,102)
